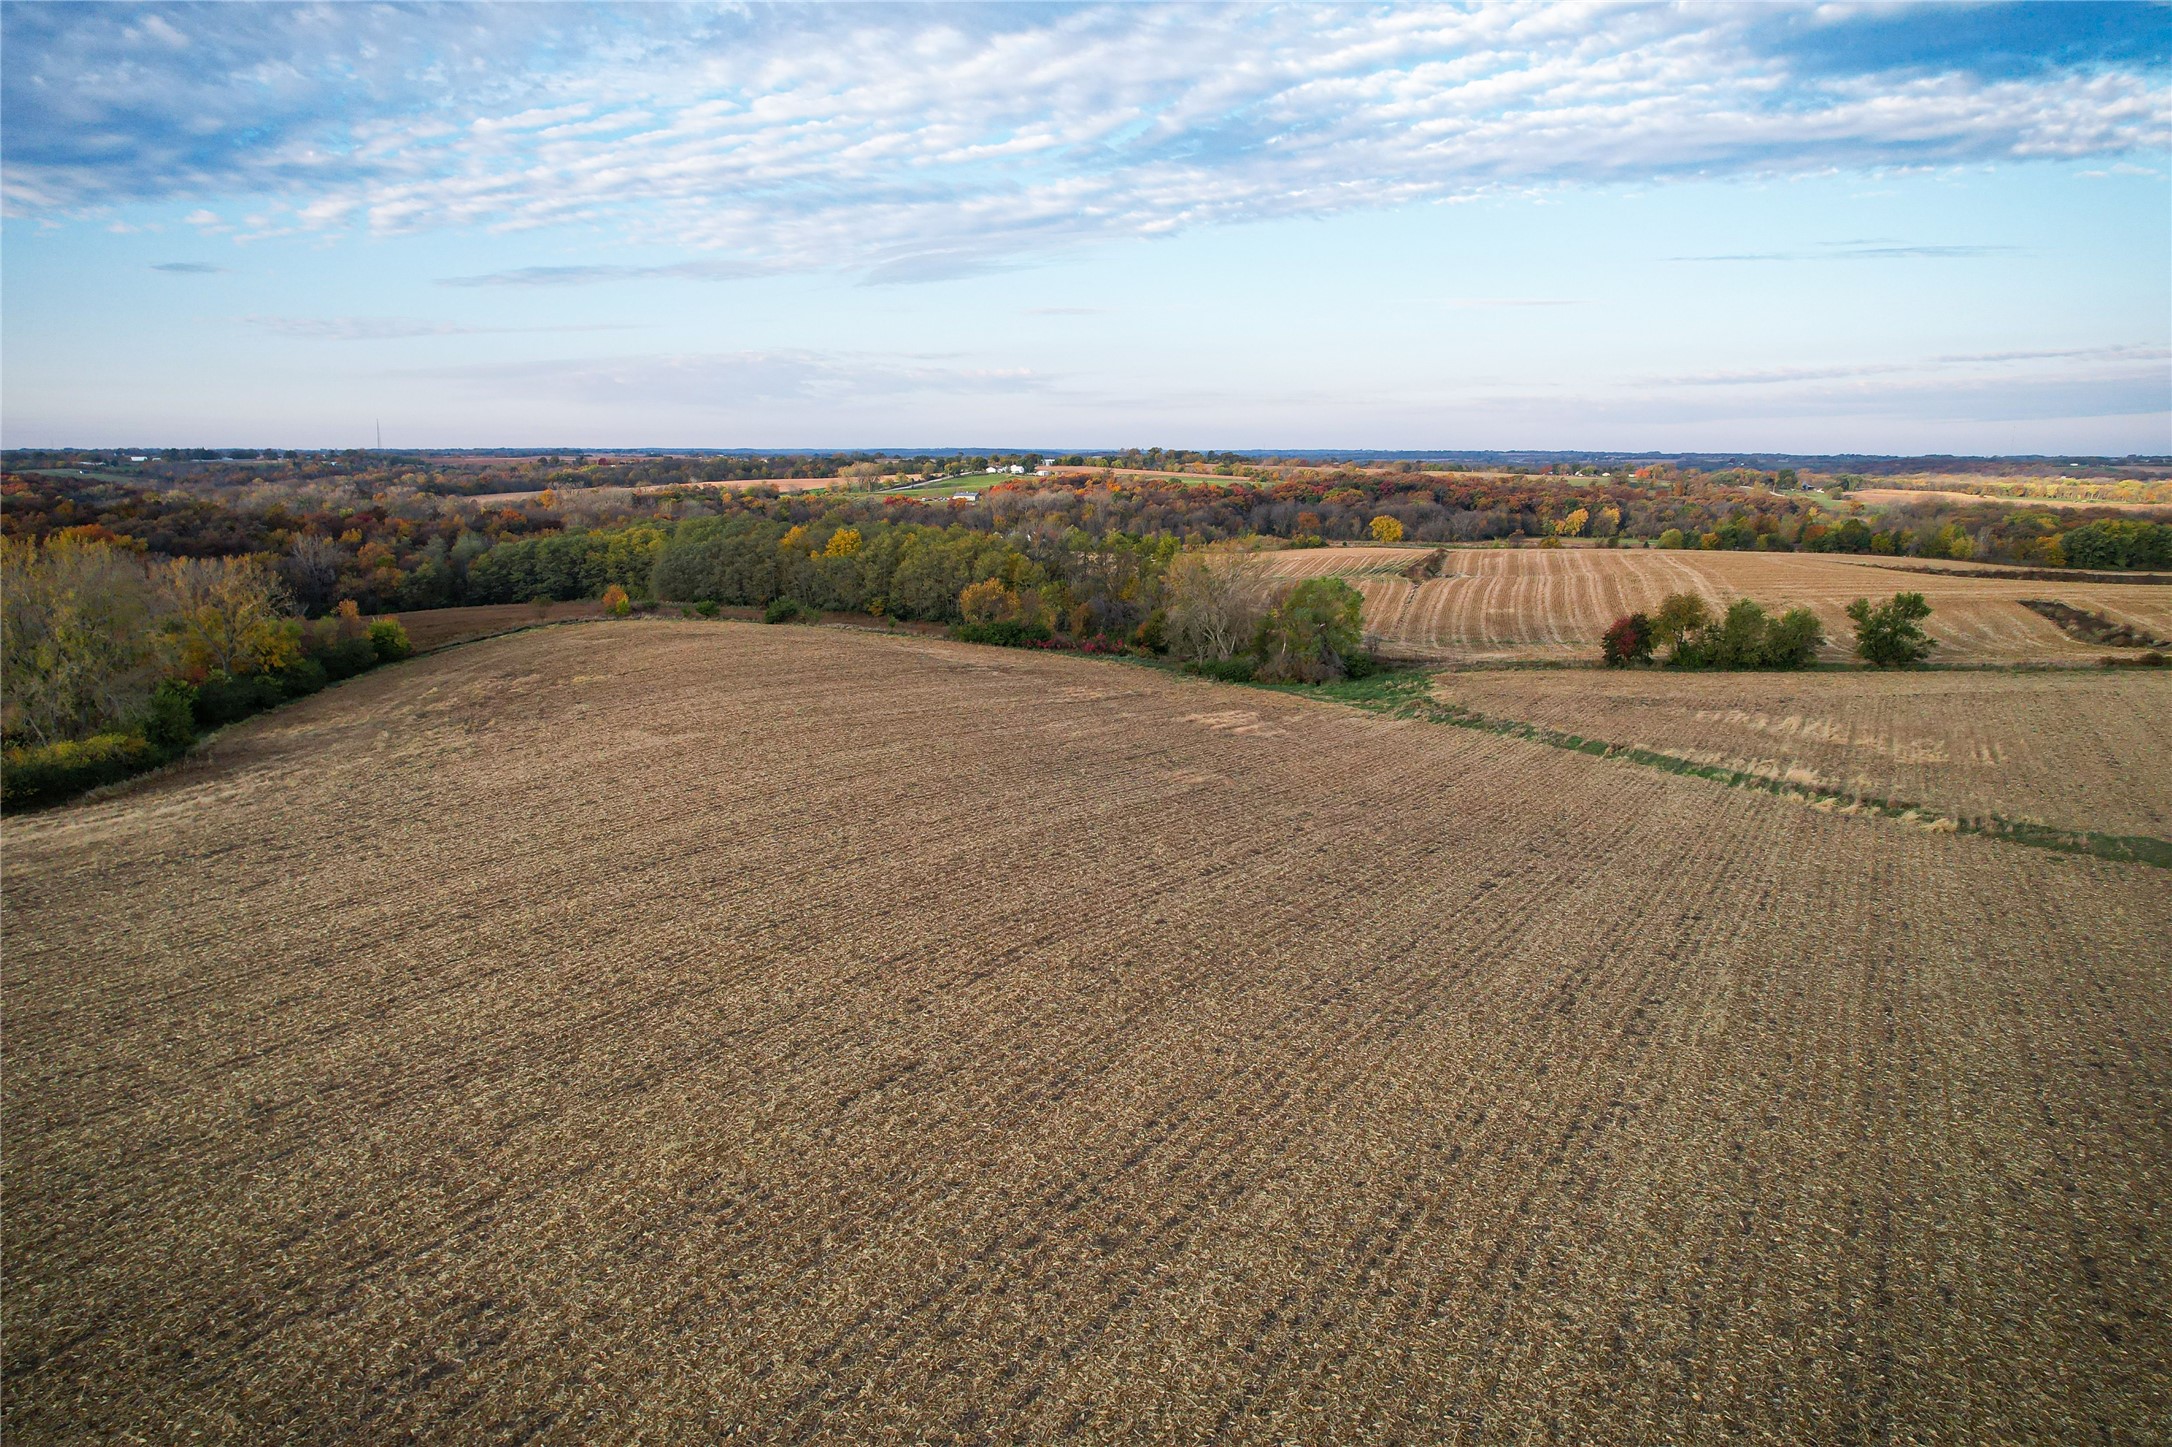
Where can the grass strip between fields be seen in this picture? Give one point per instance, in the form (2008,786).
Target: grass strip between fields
(1410,695)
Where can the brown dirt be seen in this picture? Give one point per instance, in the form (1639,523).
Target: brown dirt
(680,1032)
(2074,750)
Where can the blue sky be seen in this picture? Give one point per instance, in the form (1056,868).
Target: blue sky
(1819,228)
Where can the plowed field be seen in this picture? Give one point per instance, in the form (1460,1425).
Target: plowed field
(2074,750)
(1552,603)
(435,627)
(672,1032)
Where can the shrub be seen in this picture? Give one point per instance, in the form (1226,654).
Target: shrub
(1005,633)
(223,699)
(1229,670)
(169,722)
(1673,538)
(301,678)
(46,773)
(1153,633)
(786,610)
(706,608)
(1627,640)
(615,602)
(346,657)
(388,640)
(1886,634)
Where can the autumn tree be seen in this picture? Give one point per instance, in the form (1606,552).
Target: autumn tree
(989,601)
(79,635)
(1627,640)
(1213,603)
(1387,530)
(229,615)
(615,601)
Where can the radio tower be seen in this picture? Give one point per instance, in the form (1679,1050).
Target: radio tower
(380,435)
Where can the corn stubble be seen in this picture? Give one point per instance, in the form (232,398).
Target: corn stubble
(1551,604)
(2075,749)
(679,1032)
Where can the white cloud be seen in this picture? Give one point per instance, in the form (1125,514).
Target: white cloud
(914,144)
(379,329)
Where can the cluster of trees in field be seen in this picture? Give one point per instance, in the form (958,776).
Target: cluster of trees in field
(111,660)
(1684,632)
(1688,634)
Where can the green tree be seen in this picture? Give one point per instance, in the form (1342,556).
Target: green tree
(1679,615)
(1313,633)
(1793,639)
(1887,634)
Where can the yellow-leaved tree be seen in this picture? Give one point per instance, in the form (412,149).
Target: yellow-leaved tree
(79,635)
(989,601)
(229,615)
(615,601)
(794,540)
(843,543)
(1387,530)
(1573,525)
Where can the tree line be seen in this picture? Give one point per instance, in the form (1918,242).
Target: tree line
(112,661)
(386,542)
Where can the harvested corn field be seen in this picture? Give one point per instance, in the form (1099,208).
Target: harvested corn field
(1552,603)
(692,1033)
(429,628)
(2078,750)
(1342,562)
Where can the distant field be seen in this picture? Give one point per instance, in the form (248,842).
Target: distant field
(738,484)
(2074,750)
(1550,604)
(435,627)
(1889,496)
(675,1032)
